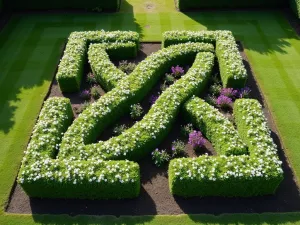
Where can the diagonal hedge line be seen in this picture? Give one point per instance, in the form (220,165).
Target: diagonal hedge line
(216,127)
(73,177)
(70,69)
(41,175)
(130,90)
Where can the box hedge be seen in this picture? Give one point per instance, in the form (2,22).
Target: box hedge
(232,70)
(216,127)
(258,173)
(70,69)
(43,175)
(106,73)
(295,6)
(147,133)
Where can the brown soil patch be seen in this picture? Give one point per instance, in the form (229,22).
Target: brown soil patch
(155,197)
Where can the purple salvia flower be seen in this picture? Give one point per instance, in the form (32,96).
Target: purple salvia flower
(244,92)
(85,94)
(177,71)
(196,139)
(223,101)
(229,92)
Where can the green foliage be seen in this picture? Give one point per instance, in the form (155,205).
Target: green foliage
(106,73)
(169,79)
(136,111)
(215,127)
(187,129)
(160,157)
(146,134)
(91,78)
(258,173)
(232,70)
(126,67)
(200,4)
(211,100)
(42,175)
(163,86)
(119,129)
(101,5)
(95,93)
(178,148)
(70,69)
(215,89)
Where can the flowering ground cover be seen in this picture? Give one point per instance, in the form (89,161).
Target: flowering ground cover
(7,218)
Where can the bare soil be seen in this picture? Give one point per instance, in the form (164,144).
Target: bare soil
(155,197)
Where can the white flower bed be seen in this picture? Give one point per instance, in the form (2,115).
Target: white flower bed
(70,69)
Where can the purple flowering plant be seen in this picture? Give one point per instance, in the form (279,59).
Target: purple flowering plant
(224,102)
(229,92)
(196,140)
(177,71)
(153,99)
(85,94)
(244,92)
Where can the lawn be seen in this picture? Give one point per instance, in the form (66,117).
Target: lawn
(32,44)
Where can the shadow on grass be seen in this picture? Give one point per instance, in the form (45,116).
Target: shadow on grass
(31,66)
(250,26)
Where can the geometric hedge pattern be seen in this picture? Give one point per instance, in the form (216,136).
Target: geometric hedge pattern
(63,160)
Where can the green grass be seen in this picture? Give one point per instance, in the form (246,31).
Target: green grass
(31,47)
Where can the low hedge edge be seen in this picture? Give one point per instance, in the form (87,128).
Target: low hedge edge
(41,175)
(259,173)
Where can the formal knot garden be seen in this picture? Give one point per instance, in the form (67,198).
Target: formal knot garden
(66,159)
(149,112)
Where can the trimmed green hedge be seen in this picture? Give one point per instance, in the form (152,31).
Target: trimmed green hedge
(70,69)
(295,6)
(216,127)
(144,135)
(104,70)
(200,4)
(41,175)
(258,173)
(232,70)
(99,5)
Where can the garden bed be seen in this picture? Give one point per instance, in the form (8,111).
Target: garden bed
(155,196)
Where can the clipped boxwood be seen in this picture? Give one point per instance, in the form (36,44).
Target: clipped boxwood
(216,127)
(70,69)
(258,173)
(136,141)
(105,71)
(232,70)
(42,175)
